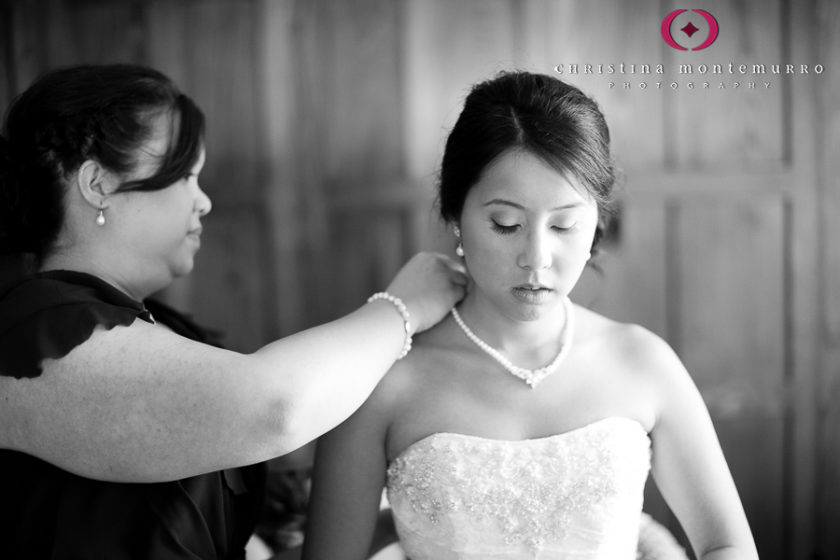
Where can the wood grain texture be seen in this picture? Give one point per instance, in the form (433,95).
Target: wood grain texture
(230,280)
(730,332)
(827,15)
(731,293)
(806,488)
(601,34)
(277,98)
(736,127)
(350,102)
(448,47)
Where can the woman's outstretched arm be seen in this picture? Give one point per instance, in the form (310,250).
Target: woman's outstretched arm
(141,404)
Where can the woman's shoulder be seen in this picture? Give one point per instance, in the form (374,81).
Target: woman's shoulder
(48,314)
(634,345)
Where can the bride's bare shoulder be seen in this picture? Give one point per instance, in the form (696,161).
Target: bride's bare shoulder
(629,342)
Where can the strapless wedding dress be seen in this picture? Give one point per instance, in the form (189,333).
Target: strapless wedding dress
(576,495)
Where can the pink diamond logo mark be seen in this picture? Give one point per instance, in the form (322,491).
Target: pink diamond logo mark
(689,29)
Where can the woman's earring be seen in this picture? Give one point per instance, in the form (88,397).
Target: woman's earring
(100,217)
(459,249)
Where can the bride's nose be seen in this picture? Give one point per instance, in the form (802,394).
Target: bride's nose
(536,252)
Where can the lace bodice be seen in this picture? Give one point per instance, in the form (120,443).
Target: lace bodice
(576,495)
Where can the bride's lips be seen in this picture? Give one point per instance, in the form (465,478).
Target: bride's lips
(195,233)
(532,293)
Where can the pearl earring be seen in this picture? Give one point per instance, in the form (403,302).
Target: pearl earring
(459,249)
(100,217)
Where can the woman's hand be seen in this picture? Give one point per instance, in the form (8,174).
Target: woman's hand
(430,284)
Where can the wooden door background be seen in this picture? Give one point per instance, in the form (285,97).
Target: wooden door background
(326,123)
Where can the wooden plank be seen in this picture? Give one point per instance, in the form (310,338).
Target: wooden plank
(230,282)
(8,87)
(352,107)
(808,29)
(677,183)
(730,332)
(11,266)
(829,100)
(362,106)
(311,97)
(221,73)
(220,58)
(634,285)
(110,32)
(370,247)
(732,128)
(207,48)
(54,33)
(827,17)
(277,138)
(601,33)
(165,48)
(730,324)
(28,52)
(387,245)
(353,264)
(449,46)
(754,448)
(362,141)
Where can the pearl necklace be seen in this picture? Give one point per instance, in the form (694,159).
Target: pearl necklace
(529,376)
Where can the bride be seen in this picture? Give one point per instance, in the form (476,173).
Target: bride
(524,426)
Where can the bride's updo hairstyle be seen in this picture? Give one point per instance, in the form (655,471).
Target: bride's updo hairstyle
(70,115)
(541,115)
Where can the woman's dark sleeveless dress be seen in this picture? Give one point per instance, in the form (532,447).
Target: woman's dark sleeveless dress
(48,513)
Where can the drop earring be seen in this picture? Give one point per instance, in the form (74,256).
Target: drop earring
(459,249)
(100,217)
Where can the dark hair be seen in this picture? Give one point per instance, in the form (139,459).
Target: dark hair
(536,113)
(104,113)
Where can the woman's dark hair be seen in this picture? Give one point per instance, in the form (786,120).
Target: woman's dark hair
(539,114)
(103,113)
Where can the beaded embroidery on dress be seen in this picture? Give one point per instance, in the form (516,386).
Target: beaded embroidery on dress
(576,495)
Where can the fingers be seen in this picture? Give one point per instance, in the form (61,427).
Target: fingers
(459,272)
(459,275)
(429,285)
(461,278)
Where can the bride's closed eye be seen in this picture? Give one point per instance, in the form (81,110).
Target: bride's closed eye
(564,227)
(504,229)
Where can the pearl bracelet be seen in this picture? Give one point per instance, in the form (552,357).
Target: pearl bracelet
(401,308)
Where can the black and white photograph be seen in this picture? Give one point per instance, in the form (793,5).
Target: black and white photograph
(419,280)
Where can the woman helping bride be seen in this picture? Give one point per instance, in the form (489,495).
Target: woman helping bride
(525,426)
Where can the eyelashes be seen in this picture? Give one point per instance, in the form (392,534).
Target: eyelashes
(508,230)
(502,229)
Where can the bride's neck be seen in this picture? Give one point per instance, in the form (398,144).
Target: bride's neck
(512,335)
